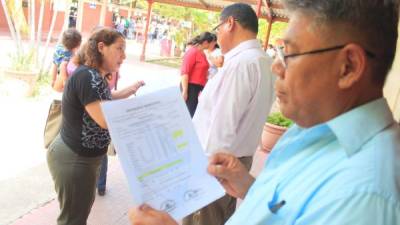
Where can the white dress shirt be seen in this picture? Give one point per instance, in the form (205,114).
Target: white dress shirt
(234,104)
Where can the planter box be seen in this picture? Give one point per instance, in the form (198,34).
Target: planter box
(270,135)
(24,80)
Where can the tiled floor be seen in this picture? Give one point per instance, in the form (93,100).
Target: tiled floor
(110,209)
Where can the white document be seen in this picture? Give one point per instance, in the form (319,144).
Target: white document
(160,152)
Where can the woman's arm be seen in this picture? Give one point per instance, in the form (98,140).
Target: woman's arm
(185,84)
(95,112)
(127,91)
(188,63)
(61,78)
(53,73)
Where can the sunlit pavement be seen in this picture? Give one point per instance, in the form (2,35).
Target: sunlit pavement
(26,189)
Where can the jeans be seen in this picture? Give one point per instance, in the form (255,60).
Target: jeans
(101,182)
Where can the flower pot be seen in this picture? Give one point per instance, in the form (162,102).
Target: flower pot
(177,52)
(270,135)
(21,81)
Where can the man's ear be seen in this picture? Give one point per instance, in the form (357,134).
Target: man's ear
(353,67)
(230,24)
(100,47)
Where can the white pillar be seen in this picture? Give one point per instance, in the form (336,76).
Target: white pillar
(392,86)
(79,16)
(103,13)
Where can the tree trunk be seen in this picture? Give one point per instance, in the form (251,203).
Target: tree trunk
(11,26)
(46,48)
(32,7)
(39,32)
(18,19)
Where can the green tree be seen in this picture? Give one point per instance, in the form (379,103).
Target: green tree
(277,30)
(203,20)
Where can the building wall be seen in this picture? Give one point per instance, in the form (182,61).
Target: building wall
(3,20)
(392,87)
(91,17)
(47,16)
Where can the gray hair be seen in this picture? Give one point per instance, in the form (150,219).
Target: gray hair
(375,21)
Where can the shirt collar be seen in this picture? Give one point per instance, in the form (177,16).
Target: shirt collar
(253,43)
(355,127)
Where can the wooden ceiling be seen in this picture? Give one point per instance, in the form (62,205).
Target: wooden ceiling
(271,10)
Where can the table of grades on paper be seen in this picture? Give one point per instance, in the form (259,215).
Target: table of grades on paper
(160,153)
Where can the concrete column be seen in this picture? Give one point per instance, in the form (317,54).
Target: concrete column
(392,86)
(143,55)
(79,17)
(103,13)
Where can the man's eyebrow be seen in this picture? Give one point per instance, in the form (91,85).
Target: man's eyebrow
(287,42)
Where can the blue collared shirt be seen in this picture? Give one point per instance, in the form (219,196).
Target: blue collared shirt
(345,171)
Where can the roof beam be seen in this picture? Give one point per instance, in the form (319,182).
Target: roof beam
(204,3)
(190,5)
(215,8)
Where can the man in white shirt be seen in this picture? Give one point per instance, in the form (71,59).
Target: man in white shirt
(234,104)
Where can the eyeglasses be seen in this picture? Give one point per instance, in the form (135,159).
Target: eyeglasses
(282,57)
(216,28)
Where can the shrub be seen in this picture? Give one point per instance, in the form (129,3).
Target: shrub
(22,61)
(278,119)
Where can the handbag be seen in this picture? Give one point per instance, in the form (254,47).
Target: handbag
(53,123)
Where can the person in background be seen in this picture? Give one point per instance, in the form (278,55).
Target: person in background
(214,57)
(71,40)
(271,51)
(194,70)
(234,103)
(131,29)
(339,164)
(74,157)
(121,25)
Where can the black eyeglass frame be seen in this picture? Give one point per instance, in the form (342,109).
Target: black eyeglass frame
(283,57)
(215,29)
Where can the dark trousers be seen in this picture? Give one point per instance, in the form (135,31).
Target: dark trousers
(193,97)
(101,182)
(74,179)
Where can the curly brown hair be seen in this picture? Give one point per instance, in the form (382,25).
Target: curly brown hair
(108,36)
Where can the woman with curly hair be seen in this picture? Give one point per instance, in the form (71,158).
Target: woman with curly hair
(75,156)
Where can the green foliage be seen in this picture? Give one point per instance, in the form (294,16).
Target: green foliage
(277,30)
(23,61)
(202,20)
(180,36)
(205,20)
(279,120)
(42,85)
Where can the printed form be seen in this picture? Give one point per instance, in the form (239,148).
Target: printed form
(160,152)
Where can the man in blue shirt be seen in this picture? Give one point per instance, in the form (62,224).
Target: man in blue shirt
(340,163)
